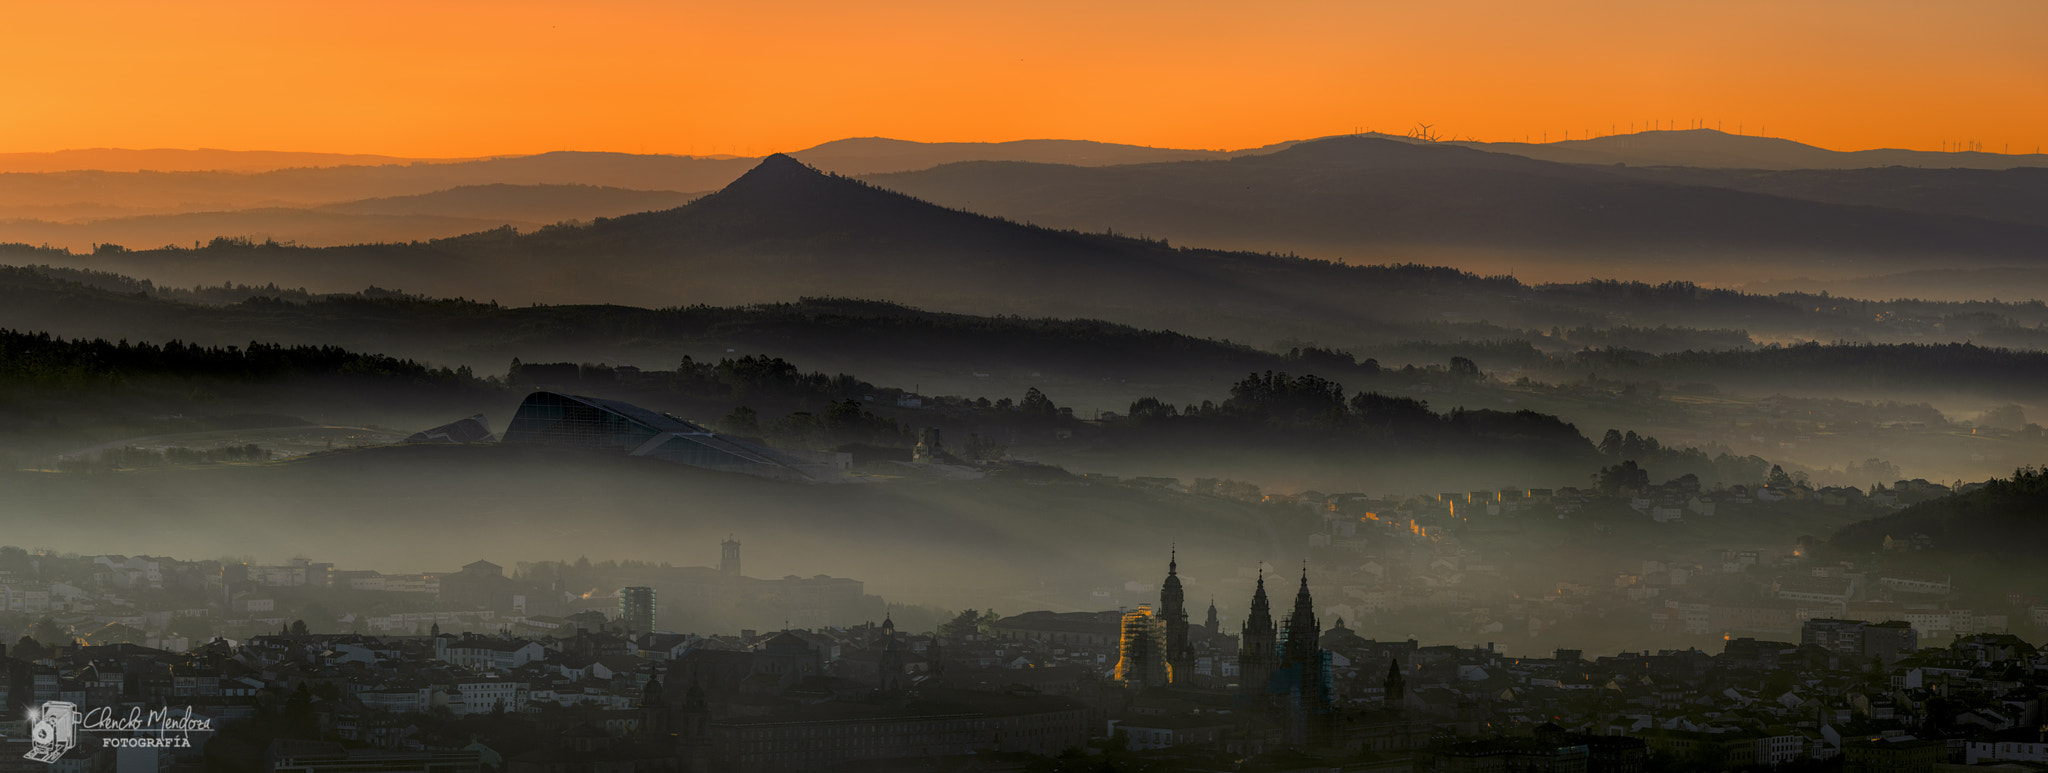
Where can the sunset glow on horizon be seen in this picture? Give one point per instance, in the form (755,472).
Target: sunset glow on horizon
(457,78)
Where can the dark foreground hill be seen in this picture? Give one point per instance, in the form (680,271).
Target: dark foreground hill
(1988,541)
(2006,518)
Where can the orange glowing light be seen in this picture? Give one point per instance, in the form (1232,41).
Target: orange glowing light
(469,77)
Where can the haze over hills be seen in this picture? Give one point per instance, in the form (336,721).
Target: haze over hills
(1362,199)
(1713,148)
(2018,195)
(99,183)
(280,224)
(459,210)
(782,231)
(77,199)
(995,536)
(2011,283)
(785,231)
(874,155)
(1094,365)
(64,196)
(546,203)
(194,160)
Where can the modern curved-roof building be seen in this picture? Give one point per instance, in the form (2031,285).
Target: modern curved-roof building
(597,424)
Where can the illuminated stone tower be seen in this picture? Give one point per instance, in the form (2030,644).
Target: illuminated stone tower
(1258,655)
(729,557)
(1173,615)
(1143,651)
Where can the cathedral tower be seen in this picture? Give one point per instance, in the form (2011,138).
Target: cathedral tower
(1258,655)
(1173,614)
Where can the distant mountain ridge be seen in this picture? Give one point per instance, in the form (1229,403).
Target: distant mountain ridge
(875,155)
(1714,148)
(786,230)
(545,203)
(1709,148)
(54,188)
(2010,195)
(194,160)
(439,214)
(1356,198)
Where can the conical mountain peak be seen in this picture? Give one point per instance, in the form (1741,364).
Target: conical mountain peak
(784,186)
(775,171)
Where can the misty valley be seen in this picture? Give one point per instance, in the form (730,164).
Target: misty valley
(1676,450)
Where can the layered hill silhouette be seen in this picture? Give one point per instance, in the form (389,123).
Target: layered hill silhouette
(875,155)
(440,214)
(391,508)
(955,353)
(785,230)
(1714,148)
(75,184)
(93,194)
(64,190)
(183,160)
(1346,197)
(2017,195)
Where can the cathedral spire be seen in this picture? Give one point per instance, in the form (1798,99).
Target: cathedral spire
(1261,614)
(1173,617)
(1258,654)
(1304,604)
(1396,685)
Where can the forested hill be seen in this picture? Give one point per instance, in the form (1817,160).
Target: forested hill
(63,393)
(29,359)
(832,332)
(1952,368)
(2005,519)
(913,344)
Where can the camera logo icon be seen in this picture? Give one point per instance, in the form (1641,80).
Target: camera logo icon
(53,730)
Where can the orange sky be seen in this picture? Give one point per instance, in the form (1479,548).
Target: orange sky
(461,78)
